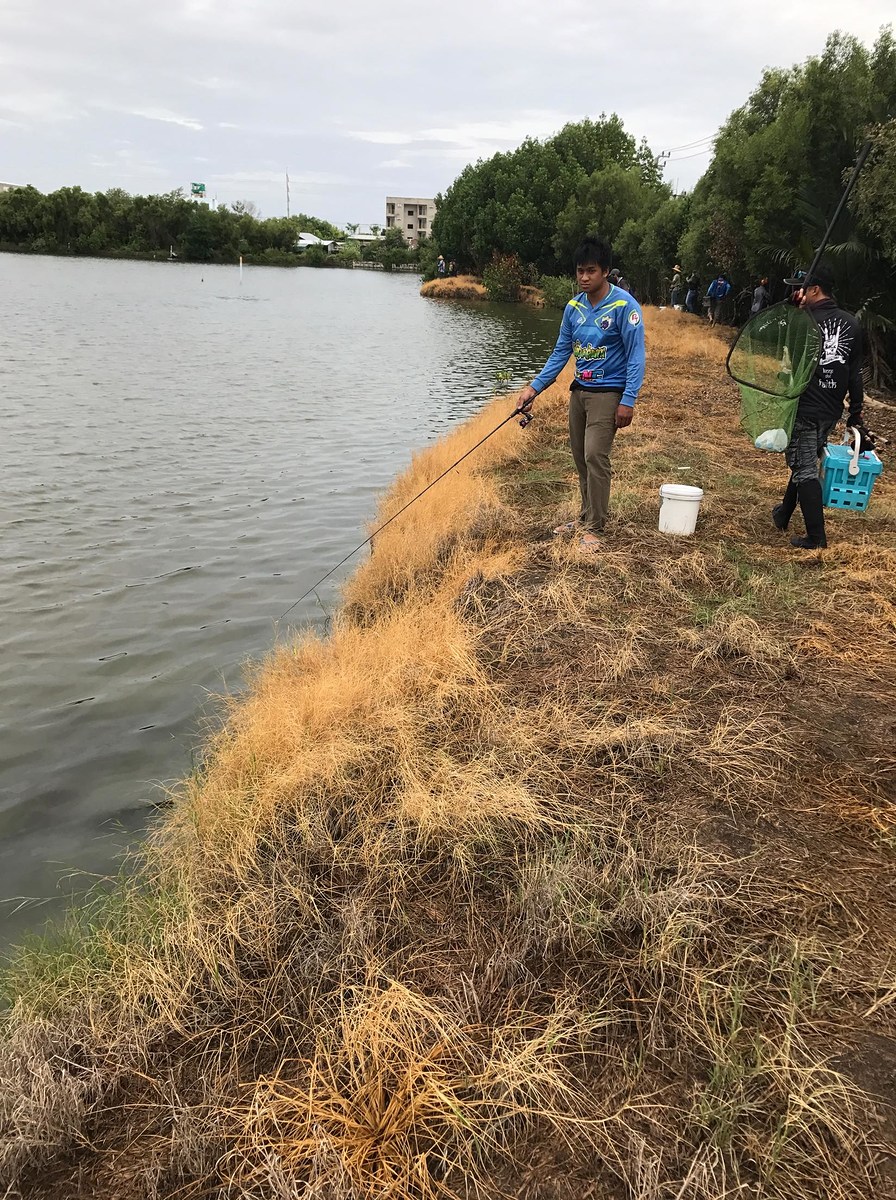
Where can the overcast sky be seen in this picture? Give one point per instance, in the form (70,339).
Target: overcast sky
(359,100)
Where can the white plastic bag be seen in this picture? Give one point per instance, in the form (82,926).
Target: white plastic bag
(772,439)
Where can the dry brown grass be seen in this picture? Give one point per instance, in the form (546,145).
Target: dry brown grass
(471,287)
(455,287)
(542,876)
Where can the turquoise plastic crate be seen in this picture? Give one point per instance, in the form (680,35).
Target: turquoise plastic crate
(839,489)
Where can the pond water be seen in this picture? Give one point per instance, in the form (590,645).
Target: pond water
(183,454)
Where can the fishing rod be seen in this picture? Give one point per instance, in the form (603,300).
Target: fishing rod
(524,419)
(822,246)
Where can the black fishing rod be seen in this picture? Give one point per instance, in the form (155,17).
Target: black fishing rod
(524,419)
(762,317)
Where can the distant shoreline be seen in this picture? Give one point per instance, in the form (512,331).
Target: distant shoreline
(159,256)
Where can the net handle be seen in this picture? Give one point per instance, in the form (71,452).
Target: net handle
(823,245)
(784,304)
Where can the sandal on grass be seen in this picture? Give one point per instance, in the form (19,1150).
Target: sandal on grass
(568,527)
(591,546)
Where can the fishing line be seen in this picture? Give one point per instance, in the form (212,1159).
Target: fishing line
(525,418)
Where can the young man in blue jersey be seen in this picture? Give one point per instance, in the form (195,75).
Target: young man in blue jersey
(603,327)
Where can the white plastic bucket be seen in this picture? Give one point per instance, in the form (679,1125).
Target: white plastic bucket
(679,508)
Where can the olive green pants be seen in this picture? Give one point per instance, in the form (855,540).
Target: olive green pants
(592,428)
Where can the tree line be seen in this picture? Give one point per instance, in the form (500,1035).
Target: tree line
(777,170)
(117,224)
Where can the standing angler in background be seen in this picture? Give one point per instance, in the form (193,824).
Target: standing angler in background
(717,291)
(761,297)
(603,327)
(690,300)
(839,372)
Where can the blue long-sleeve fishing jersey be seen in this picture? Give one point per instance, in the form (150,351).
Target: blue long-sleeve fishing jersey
(607,341)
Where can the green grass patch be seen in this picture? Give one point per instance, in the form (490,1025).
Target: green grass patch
(85,945)
(689,465)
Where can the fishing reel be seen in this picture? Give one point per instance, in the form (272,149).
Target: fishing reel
(525,418)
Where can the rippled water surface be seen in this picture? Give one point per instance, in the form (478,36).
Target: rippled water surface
(182,456)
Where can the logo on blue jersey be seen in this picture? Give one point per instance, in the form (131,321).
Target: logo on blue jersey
(589,351)
(634,317)
(606,321)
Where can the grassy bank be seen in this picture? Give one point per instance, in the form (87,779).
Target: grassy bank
(470,287)
(541,877)
(455,287)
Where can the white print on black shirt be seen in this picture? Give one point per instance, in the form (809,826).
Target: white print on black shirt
(837,343)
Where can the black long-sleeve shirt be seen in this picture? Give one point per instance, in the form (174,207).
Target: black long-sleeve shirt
(839,370)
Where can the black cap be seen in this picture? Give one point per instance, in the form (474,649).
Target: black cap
(822,277)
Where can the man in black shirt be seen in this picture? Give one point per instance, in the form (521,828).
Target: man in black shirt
(839,372)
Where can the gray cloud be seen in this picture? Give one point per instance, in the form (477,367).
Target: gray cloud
(365,99)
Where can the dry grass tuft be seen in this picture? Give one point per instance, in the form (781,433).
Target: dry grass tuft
(402,1094)
(455,287)
(737,637)
(45,1098)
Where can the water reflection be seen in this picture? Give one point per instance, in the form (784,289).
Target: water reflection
(182,457)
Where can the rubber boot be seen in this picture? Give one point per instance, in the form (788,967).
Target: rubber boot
(813,514)
(782,512)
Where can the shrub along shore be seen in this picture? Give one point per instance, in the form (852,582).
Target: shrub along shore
(541,876)
(471,287)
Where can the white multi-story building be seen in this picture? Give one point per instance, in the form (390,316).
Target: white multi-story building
(7,187)
(413,215)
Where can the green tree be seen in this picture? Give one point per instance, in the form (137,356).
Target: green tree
(199,238)
(503,277)
(795,136)
(302,223)
(392,250)
(511,203)
(777,174)
(875,197)
(604,202)
(315,256)
(71,221)
(648,247)
(348,253)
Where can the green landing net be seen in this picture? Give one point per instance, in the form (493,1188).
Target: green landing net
(772,360)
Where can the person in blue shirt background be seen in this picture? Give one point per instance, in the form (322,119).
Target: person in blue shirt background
(604,328)
(717,291)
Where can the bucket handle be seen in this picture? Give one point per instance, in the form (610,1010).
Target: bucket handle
(857,446)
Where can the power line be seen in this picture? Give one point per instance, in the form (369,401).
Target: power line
(690,145)
(682,157)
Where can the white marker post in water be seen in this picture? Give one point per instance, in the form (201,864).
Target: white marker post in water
(241,270)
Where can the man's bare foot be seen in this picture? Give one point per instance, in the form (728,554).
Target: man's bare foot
(590,542)
(567,527)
